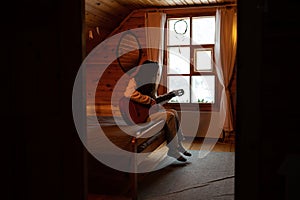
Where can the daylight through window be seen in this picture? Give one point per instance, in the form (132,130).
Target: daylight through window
(190,64)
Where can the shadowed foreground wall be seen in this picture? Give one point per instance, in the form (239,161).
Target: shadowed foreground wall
(43,51)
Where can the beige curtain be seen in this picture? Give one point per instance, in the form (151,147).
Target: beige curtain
(225,55)
(155,24)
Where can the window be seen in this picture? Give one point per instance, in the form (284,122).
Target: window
(189,59)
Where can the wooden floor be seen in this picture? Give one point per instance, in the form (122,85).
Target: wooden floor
(220,146)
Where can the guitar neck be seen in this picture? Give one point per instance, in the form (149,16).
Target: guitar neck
(165,97)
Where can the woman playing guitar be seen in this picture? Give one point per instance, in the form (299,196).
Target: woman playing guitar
(143,106)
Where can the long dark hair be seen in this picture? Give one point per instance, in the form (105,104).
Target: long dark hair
(146,78)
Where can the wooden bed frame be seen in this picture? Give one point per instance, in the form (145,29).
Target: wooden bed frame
(138,142)
(147,146)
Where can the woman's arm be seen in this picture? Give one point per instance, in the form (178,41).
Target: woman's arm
(135,95)
(140,98)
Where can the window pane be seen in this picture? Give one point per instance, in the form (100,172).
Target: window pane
(179,82)
(178,60)
(203,60)
(179,31)
(203,89)
(203,30)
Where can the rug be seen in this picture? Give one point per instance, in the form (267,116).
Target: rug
(209,178)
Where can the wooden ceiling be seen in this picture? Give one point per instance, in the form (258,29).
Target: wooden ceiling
(108,14)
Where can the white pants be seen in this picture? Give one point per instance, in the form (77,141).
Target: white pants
(172,129)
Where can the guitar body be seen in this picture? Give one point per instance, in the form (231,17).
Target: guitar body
(134,112)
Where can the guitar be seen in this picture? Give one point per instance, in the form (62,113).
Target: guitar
(134,112)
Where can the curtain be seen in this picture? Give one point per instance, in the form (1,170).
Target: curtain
(225,55)
(155,26)
(225,52)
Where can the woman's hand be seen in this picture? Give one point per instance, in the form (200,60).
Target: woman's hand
(154,107)
(153,102)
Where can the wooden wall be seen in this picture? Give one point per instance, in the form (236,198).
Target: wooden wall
(113,72)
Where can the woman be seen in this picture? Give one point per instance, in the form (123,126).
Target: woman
(142,89)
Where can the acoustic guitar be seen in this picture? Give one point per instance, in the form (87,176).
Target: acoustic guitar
(134,112)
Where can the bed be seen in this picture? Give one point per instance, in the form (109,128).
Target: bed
(115,146)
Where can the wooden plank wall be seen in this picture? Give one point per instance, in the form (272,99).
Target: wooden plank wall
(112,73)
